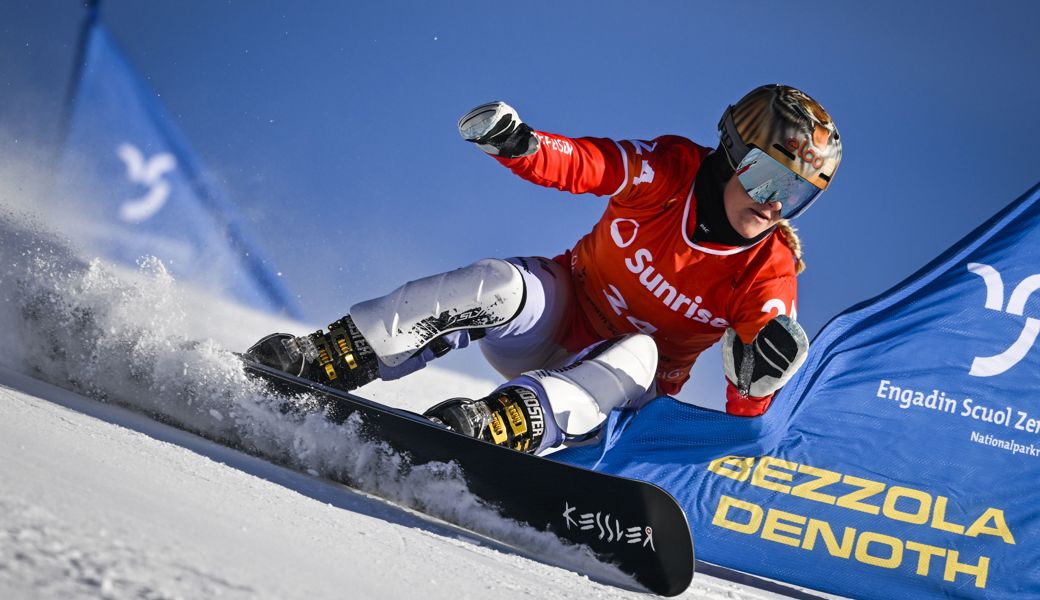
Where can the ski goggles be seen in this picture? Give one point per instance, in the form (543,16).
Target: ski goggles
(766,180)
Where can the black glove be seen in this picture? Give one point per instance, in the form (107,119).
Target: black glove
(498,130)
(762,367)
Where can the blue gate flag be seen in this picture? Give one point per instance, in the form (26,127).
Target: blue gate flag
(130,187)
(903,461)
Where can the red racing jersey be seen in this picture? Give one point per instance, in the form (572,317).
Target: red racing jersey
(639,269)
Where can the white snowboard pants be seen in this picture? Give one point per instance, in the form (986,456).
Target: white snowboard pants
(527,352)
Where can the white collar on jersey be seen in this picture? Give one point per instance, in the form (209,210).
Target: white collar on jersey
(705,249)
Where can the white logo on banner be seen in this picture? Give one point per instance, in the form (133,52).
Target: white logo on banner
(988,366)
(148,173)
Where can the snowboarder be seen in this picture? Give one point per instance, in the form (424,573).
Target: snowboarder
(693,247)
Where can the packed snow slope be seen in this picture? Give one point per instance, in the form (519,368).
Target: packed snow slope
(138,461)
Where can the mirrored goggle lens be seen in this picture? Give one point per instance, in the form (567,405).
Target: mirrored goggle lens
(766,180)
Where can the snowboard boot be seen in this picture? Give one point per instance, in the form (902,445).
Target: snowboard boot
(510,417)
(339,358)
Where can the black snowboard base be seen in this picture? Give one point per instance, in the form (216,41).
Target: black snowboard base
(632,524)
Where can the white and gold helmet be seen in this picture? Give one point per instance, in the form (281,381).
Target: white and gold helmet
(782,145)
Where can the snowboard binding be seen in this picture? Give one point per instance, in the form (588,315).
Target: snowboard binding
(510,417)
(339,358)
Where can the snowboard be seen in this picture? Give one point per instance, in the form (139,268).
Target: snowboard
(635,525)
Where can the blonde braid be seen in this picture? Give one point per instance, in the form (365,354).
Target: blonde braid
(794,243)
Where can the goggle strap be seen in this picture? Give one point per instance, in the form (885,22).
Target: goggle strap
(729,139)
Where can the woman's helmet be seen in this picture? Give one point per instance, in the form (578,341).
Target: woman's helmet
(782,145)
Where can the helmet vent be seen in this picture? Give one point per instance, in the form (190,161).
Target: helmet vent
(786,152)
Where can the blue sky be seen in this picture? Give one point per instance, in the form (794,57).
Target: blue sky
(332,124)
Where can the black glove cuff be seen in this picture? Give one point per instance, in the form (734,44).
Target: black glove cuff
(517,142)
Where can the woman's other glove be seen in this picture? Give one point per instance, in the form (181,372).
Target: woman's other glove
(497,129)
(757,370)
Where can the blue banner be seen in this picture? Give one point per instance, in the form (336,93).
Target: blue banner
(903,461)
(130,187)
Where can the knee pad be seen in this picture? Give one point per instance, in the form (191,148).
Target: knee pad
(487,293)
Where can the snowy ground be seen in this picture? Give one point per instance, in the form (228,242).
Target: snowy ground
(105,493)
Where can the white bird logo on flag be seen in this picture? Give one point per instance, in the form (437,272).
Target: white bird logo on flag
(148,172)
(988,366)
